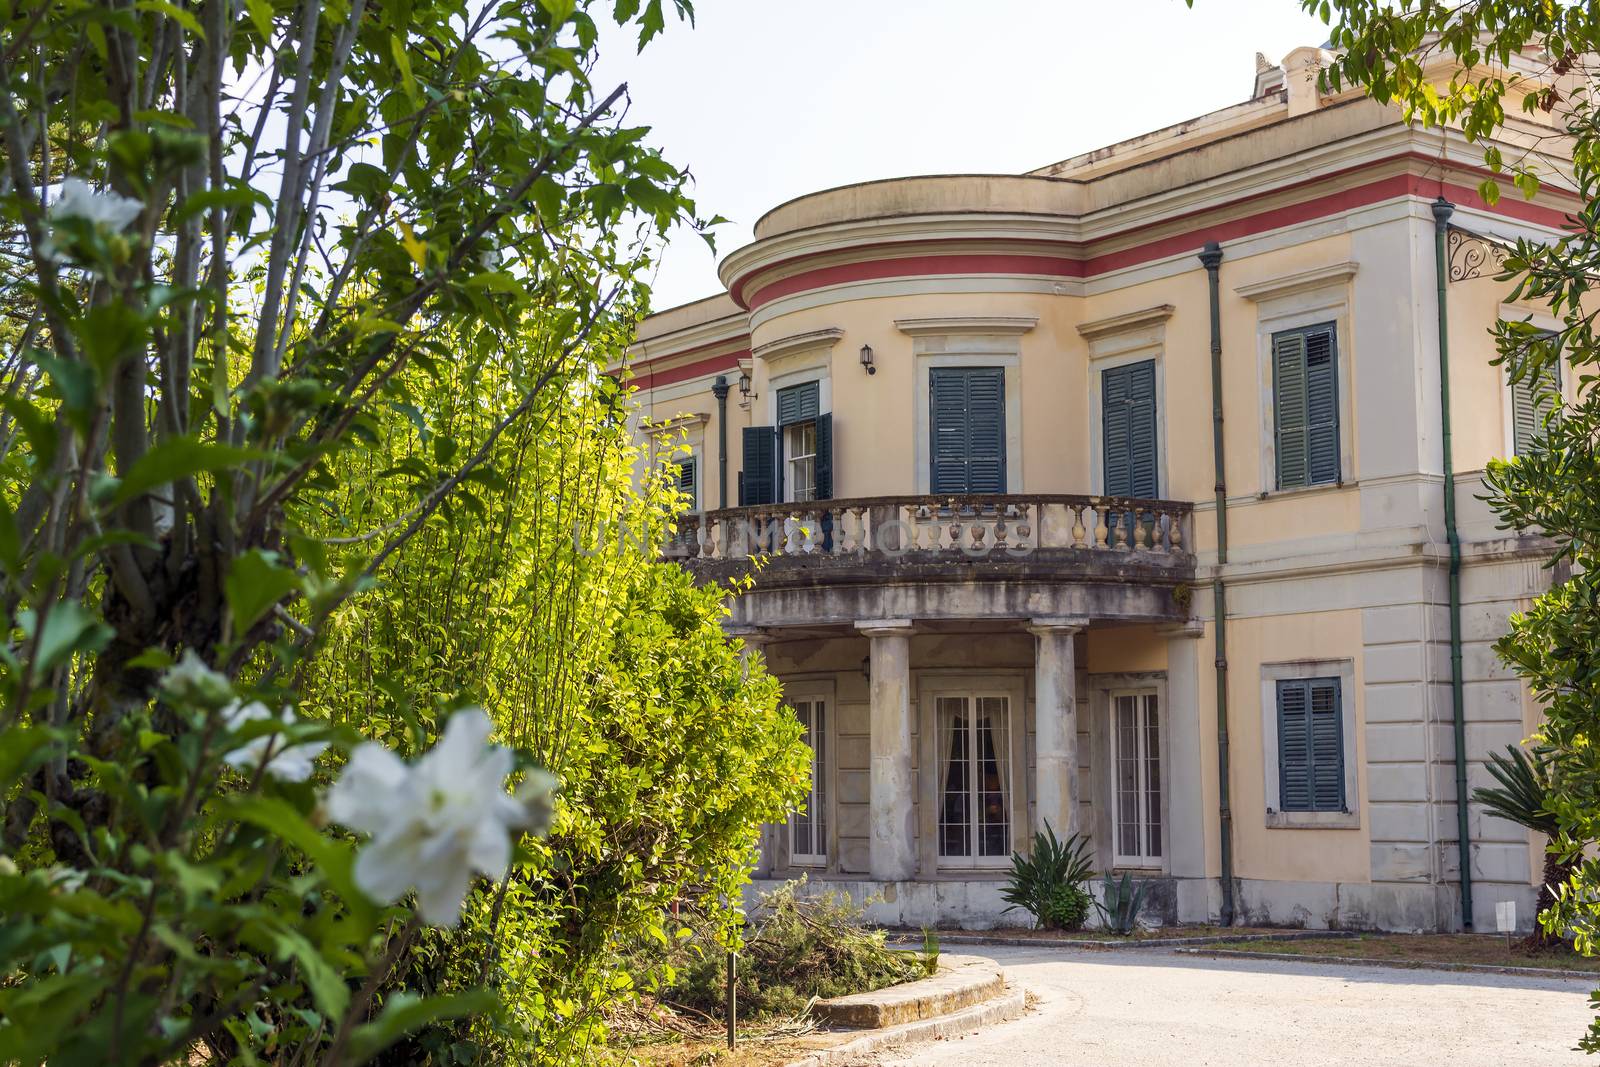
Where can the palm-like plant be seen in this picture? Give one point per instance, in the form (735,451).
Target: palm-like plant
(1521,797)
(1048,882)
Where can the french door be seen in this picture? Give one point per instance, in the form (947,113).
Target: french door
(1136,778)
(973,738)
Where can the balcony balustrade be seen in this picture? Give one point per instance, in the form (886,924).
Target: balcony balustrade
(930,528)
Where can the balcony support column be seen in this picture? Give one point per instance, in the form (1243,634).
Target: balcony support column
(892,850)
(1056,724)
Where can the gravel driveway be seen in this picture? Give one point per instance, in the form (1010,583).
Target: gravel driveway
(1149,1008)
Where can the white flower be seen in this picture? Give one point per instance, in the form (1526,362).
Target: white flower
(434,823)
(290,763)
(79,201)
(190,679)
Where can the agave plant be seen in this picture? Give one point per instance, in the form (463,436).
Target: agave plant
(1048,882)
(1121,903)
(1521,797)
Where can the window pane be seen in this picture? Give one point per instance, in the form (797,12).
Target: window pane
(1152,791)
(808,829)
(1127,776)
(800,445)
(955,819)
(994,825)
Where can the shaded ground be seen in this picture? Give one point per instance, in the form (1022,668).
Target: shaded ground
(1141,934)
(1427,948)
(1150,1008)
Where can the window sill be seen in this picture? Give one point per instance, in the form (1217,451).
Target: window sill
(1313,820)
(1142,868)
(1304,490)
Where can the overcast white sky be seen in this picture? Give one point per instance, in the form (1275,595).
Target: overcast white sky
(767,99)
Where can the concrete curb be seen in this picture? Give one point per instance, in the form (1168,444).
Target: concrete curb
(1116,946)
(960,982)
(1009,1005)
(1400,965)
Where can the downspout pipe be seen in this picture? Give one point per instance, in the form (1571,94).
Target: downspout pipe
(1442,210)
(719,389)
(1211,258)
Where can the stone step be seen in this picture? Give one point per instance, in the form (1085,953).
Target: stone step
(961,982)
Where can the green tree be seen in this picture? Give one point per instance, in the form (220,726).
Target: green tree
(239,240)
(1465,64)
(539,593)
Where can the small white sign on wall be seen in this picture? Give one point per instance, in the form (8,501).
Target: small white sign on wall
(1505,916)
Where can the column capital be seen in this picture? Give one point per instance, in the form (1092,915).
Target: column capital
(886,627)
(1057,626)
(1189,628)
(753,637)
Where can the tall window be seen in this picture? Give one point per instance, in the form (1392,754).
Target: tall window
(800,450)
(792,461)
(973,735)
(1532,400)
(1136,763)
(1310,745)
(967,421)
(808,829)
(1305,393)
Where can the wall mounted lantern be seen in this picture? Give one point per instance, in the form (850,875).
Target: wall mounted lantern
(866,359)
(744,384)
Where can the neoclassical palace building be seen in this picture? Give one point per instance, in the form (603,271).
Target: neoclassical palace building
(1138,497)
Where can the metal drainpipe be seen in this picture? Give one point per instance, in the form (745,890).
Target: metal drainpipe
(719,389)
(1442,210)
(1211,257)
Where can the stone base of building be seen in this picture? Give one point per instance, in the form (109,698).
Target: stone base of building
(1391,907)
(977,904)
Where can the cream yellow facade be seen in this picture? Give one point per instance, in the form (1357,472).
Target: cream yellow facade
(970,421)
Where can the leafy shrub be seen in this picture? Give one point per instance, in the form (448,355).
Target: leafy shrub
(798,949)
(1121,903)
(1049,882)
(1068,908)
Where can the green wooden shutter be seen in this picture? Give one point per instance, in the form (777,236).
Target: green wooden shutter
(761,483)
(824,461)
(798,403)
(1310,745)
(947,421)
(986,430)
(967,424)
(1294,746)
(686,482)
(1327,746)
(1305,389)
(1532,400)
(1128,429)
(1289,407)
(1322,406)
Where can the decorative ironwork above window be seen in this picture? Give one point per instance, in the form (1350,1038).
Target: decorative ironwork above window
(1470,253)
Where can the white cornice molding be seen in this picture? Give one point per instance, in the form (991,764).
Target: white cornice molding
(1304,281)
(672,425)
(1132,320)
(1004,325)
(1388,142)
(798,342)
(726,330)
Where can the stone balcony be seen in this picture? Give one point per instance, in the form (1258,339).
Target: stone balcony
(947,558)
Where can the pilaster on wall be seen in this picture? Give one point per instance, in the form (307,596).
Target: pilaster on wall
(1497,715)
(1407,735)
